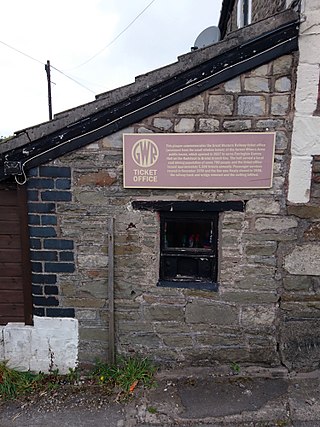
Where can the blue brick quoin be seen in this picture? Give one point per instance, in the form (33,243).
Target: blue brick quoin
(66,256)
(51,290)
(35,244)
(33,172)
(55,171)
(33,195)
(59,267)
(61,244)
(37,290)
(60,312)
(42,231)
(42,183)
(63,183)
(48,220)
(38,311)
(44,256)
(44,301)
(44,279)
(41,207)
(34,219)
(36,267)
(57,196)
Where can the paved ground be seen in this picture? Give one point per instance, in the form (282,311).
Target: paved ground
(188,398)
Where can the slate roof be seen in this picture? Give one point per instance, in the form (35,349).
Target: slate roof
(152,92)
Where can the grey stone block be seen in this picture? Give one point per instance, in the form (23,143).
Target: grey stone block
(218,314)
(251,105)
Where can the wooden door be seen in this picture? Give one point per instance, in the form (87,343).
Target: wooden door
(15,269)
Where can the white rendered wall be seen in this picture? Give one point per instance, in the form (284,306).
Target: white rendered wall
(306,127)
(51,343)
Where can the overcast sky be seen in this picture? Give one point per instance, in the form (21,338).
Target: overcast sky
(71,32)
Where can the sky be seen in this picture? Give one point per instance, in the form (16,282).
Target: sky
(102,44)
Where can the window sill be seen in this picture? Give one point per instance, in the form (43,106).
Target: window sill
(200,286)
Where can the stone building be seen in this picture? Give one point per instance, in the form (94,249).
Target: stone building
(87,267)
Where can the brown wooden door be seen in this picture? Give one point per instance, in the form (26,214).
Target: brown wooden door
(15,271)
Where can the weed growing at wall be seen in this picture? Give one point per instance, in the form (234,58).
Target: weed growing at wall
(14,383)
(126,374)
(121,378)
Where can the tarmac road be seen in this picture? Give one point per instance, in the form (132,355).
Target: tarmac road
(195,397)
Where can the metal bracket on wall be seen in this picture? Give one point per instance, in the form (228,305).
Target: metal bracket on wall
(12,168)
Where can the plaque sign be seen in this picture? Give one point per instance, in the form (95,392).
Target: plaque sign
(198,161)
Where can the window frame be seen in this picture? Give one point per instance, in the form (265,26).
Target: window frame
(244,13)
(199,255)
(214,207)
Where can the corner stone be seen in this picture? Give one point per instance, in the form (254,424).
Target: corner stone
(304,260)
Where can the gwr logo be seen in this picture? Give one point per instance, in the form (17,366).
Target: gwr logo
(145,153)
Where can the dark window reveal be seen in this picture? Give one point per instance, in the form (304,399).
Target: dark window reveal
(189,249)
(317,111)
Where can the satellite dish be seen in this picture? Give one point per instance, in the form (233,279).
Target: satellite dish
(208,36)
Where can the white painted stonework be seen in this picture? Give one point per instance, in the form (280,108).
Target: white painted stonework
(306,127)
(51,343)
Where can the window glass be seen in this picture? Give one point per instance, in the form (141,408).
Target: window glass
(244,12)
(189,246)
(188,233)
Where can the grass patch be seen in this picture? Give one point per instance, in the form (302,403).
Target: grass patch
(122,378)
(14,383)
(126,374)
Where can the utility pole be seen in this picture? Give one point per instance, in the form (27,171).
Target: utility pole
(47,68)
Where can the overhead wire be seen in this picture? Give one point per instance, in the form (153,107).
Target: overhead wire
(65,75)
(88,60)
(22,53)
(42,63)
(115,38)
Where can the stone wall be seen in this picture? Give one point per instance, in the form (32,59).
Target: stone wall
(240,322)
(300,301)
(306,137)
(262,9)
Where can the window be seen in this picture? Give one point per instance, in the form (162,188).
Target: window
(244,9)
(188,252)
(189,240)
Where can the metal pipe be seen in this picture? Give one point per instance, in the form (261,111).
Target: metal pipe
(111,349)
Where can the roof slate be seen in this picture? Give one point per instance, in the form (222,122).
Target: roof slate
(147,81)
(152,93)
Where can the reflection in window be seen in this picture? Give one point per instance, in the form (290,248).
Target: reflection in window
(244,11)
(189,246)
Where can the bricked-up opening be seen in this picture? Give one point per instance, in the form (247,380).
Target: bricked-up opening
(188,253)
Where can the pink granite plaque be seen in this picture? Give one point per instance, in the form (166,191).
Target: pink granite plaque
(222,161)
